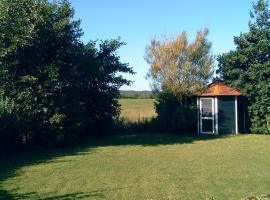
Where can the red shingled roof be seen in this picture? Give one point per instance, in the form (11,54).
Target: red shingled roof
(219,89)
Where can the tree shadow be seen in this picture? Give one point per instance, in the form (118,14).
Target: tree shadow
(12,195)
(32,195)
(10,164)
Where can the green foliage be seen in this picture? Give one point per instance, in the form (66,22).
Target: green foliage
(268,119)
(176,114)
(8,131)
(248,67)
(6,106)
(61,88)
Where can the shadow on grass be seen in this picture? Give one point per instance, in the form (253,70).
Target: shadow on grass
(4,195)
(11,164)
(70,196)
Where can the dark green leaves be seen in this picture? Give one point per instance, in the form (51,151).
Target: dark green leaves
(248,67)
(61,88)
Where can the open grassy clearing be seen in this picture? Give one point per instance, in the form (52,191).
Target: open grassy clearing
(142,167)
(137,109)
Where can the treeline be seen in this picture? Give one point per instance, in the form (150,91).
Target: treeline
(131,94)
(54,88)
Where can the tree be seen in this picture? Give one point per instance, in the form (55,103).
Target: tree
(248,67)
(61,88)
(178,69)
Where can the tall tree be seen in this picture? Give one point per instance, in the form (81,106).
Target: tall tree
(178,69)
(60,87)
(248,67)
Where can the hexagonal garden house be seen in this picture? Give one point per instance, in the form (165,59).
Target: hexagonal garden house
(221,110)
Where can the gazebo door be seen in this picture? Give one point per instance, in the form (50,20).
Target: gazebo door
(207,115)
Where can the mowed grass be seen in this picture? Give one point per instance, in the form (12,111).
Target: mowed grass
(142,166)
(134,110)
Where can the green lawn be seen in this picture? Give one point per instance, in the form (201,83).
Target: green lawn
(137,109)
(142,167)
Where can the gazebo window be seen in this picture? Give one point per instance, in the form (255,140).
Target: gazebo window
(207,107)
(207,115)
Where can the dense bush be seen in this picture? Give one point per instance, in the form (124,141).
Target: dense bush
(61,88)
(8,123)
(268,120)
(176,114)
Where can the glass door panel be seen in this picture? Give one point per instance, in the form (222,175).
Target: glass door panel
(207,115)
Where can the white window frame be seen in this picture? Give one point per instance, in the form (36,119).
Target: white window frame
(236,115)
(216,115)
(213,115)
(198,115)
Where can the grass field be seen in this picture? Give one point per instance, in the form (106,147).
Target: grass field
(137,109)
(142,167)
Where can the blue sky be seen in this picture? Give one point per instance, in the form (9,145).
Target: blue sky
(137,21)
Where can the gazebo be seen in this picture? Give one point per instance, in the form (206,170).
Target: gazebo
(220,110)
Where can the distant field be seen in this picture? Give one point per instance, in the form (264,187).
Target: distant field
(137,109)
